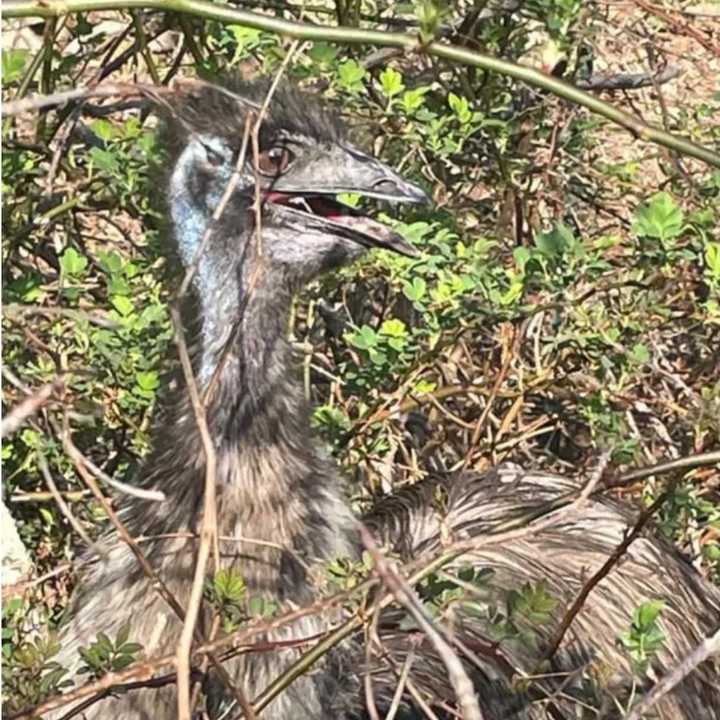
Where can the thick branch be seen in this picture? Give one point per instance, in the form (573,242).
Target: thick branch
(355,36)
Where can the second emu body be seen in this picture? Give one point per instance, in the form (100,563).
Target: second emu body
(276,486)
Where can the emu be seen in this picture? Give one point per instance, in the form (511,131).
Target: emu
(275,484)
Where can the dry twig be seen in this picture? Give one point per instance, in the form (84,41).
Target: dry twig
(29,406)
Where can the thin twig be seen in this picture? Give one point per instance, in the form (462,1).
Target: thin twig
(29,406)
(604,571)
(79,460)
(64,508)
(684,463)
(38,102)
(11,309)
(397,696)
(208,531)
(138,492)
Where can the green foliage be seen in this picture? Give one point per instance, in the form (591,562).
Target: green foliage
(104,655)
(430,14)
(660,219)
(346,574)
(13,65)
(350,75)
(645,638)
(511,615)
(227,593)
(29,675)
(470,586)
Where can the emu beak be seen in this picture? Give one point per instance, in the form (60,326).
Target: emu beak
(352,172)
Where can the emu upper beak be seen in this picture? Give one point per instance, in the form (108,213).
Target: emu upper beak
(352,172)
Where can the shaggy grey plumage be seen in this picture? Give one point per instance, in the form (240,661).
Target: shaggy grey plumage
(276,484)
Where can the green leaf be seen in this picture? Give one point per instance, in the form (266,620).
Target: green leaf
(261,607)
(413,100)
(111,262)
(461,107)
(104,645)
(105,160)
(660,218)
(350,199)
(350,75)
(521,256)
(229,586)
(122,635)
(104,129)
(13,64)
(72,262)
(391,82)
(122,305)
(555,243)
(129,648)
(122,661)
(245,37)
(640,354)
(323,53)
(118,285)
(712,258)
(533,602)
(430,14)
(394,328)
(416,290)
(646,614)
(365,338)
(147,380)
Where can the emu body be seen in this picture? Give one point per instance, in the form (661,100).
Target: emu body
(275,485)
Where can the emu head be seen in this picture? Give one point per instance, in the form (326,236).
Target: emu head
(303,161)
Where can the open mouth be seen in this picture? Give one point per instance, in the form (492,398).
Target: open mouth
(342,220)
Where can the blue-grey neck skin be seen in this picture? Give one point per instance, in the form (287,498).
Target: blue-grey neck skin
(215,279)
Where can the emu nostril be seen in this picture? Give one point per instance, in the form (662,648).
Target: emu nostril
(386,186)
(401,190)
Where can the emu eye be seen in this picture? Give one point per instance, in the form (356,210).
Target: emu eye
(213,157)
(275,161)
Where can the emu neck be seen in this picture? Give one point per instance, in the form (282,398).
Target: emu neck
(278,485)
(275,485)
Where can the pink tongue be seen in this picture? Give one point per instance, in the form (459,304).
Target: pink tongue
(320,206)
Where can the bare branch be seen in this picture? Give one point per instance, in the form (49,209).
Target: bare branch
(39,102)
(628,81)
(607,566)
(408,42)
(686,463)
